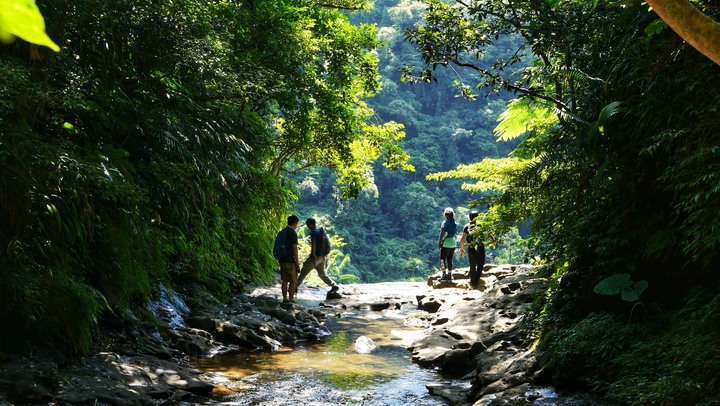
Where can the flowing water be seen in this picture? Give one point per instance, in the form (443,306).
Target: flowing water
(346,370)
(329,373)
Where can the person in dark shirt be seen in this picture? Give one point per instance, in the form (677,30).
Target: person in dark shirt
(316,260)
(476,248)
(290,265)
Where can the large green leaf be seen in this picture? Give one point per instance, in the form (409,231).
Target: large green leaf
(614,284)
(22,18)
(629,295)
(629,290)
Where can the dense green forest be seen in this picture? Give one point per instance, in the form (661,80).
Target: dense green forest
(390,230)
(165,144)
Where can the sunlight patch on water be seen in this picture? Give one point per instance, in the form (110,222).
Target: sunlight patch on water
(328,373)
(335,359)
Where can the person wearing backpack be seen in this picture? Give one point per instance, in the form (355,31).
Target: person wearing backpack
(319,248)
(286,252)
(476,248)
(447,244)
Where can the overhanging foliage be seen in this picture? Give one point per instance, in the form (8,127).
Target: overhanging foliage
(154,148)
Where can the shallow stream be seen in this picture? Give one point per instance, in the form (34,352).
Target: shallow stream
(329,373)
(343,372)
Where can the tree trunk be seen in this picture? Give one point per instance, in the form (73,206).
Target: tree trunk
(699,30)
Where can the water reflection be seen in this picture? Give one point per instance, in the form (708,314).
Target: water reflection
(329,373)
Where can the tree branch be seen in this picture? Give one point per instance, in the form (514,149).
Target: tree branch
(510,86)
(699,30)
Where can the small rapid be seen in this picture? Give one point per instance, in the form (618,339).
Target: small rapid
(364,362)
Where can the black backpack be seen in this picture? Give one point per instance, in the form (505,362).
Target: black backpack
(280,249)
(325,242)
(471,230)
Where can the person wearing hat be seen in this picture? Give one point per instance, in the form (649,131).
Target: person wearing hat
(476,248)
(447,244)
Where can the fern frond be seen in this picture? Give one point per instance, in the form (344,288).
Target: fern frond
(491,174)
(523,115)
(566,72)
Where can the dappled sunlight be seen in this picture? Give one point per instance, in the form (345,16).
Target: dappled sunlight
(305,360)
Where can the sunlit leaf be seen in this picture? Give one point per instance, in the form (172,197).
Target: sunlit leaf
(22,18)
(521,116)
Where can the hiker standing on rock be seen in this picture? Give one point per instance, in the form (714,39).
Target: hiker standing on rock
(316,260)
(447,244)
(476,248)
(286,252)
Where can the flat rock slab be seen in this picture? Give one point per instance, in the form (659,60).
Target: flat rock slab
(476,334)
(129,380)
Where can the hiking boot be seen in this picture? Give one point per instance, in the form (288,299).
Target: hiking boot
(334,288)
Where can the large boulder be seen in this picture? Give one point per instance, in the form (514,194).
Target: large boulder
(246,337)
(457,362)
(206,323)
(430,351)
(193,342)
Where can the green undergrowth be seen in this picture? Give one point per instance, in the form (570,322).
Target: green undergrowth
(669,358)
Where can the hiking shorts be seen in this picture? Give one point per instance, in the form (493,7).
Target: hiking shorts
(288,272)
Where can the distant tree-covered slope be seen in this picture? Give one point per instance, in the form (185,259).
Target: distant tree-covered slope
(391,229)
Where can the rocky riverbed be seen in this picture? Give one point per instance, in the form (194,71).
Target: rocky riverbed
(475,339)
